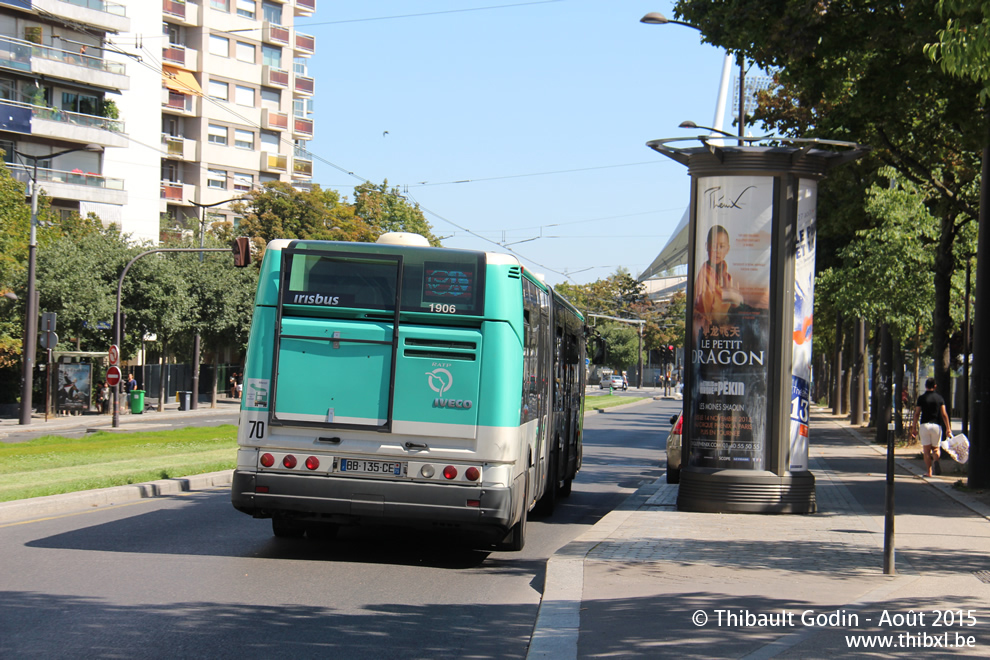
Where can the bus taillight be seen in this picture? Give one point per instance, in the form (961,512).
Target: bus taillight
(472,473)
(312,462)
(450,472)
(267,460)
(289,461)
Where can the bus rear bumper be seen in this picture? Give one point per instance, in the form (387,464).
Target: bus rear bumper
(379,502)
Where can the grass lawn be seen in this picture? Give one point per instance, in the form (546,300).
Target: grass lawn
(53,464)
(606,401)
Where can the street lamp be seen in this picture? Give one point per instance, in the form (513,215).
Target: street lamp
(656,18)
(196,341)
(30,341)
(691,124)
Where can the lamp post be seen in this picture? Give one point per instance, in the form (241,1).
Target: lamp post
(656,18)
(29,344)
(196,341)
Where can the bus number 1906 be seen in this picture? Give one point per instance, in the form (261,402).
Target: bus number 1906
(443,308)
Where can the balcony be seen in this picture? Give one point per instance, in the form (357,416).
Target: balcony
(175,8)
(274,121)
(180,11)
(64,125)
(305,7)
(177,147)
(274,33)
(176,103)
(305,44)
(302,128)
(76,185)
(302,166)
(64,64)
(274,77)
(304,85)
(109,16)
(274,162)
(174,54)
(172,191)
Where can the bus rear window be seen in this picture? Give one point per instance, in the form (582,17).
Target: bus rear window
(453,285)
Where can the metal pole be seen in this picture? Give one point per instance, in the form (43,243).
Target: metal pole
(966,354)
(640,385)
(742,98)
(888,509)
(979,455)
(194,404)
(30,342)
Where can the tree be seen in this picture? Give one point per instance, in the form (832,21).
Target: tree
(280,211)
(384,209)
(858,71)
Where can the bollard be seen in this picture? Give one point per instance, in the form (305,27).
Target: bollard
(888,509)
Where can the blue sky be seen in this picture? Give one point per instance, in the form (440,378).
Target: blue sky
(540,109)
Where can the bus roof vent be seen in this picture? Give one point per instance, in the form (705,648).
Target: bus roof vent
(403,238)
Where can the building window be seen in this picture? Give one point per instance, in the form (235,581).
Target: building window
(243,139)
(217,135)
(219,46)
(216,179)
(243,182)
(81,103)
(245,52)
(271,98)
(300,66)
(271,56)
(173,32)
(8,150)
(246,8)
(219,90)
(270,141)
(244,96)
(272,12)
(222,5)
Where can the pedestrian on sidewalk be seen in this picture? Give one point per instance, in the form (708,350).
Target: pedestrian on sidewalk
(929,416)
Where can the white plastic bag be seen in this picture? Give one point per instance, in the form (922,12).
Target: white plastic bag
(957,447)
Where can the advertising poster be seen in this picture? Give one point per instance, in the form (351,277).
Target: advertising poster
(731,322)
(74,388)
(804,307)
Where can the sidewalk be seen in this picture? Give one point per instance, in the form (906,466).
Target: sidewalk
(650,581)
(11,426)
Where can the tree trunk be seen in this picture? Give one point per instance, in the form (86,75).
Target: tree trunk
(162,364)
(837,366)
(945,263)
(216,369)
(898,385)
(858,399)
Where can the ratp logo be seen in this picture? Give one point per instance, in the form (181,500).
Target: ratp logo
(440,380)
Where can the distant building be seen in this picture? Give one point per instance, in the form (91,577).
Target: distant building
(58,88)
(192,103)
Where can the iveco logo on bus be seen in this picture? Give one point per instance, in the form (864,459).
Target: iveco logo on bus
(440,381)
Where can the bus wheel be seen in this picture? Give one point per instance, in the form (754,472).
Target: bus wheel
(565,489)
(286,529)
(516,539)
(549,500)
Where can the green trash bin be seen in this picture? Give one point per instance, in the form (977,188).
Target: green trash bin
(137,401)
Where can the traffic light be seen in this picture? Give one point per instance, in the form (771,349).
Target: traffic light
(241,247)
(670,354)
(600,353)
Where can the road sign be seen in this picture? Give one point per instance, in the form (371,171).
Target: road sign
(113,376)
(49,340)
(114,354)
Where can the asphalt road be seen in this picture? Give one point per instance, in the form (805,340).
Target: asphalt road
(188,576)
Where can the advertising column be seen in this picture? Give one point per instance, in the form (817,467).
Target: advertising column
(804,307)
(731,323)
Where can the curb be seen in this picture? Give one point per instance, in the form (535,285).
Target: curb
(23,510)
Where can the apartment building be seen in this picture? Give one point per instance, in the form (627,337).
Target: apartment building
(59,121)
(154,114)
(222,104)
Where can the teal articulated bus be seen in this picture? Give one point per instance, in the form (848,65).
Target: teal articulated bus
(394,383)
